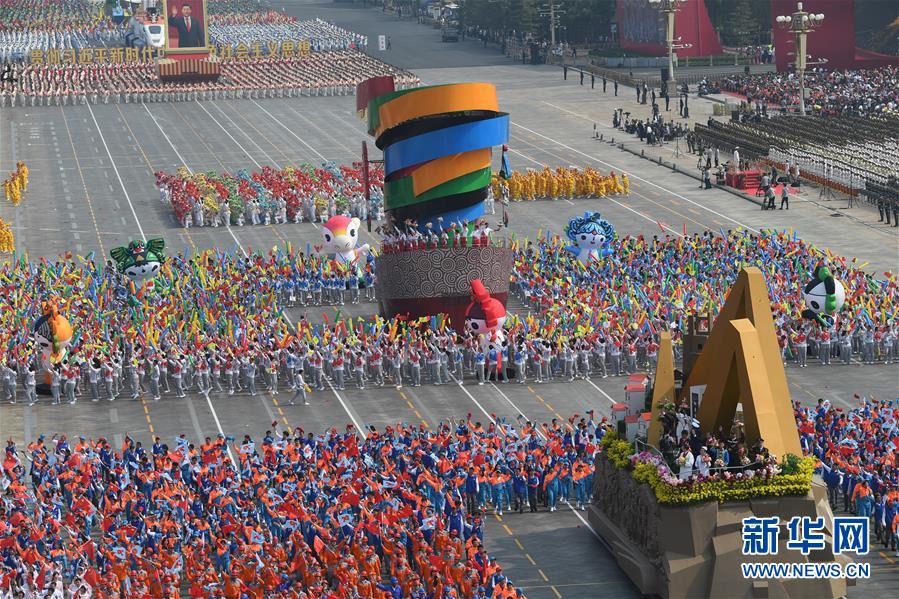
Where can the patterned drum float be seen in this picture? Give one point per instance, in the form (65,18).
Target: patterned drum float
(437,143)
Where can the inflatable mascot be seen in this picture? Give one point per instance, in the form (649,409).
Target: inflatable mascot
(141,260)
(485,317)
(341,234)
(824,297)
(52,335)
(591,236)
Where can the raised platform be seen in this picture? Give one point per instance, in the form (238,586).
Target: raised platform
(415,282)
(695,550)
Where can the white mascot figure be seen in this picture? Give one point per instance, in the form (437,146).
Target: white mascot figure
(485,317)
(341,234)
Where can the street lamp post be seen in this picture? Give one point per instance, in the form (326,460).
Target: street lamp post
(801,24)
(669,7)
(553,11)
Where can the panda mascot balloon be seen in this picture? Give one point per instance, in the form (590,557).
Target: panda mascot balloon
(824,297)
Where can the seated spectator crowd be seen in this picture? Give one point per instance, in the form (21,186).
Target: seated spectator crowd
(827,93)
(851,154)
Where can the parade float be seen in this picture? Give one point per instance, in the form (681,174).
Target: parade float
(683,537)
(437,143)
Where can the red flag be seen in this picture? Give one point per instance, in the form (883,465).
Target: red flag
(89,550)
(349,497)
(30,555)
(436,562)
(91,577)
(318,544)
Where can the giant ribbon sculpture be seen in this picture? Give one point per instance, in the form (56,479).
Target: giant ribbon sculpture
(437,143)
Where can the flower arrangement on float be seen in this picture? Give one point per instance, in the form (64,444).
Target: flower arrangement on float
(791,477)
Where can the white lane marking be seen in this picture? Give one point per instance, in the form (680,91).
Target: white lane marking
(286,128)
(471,397)
(601,391)
(230,120)
(190,170)
(114,168)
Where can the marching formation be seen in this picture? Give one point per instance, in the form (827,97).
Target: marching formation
(614,308)
(7,238)
(275,28)
(332,513)
(16,184)
(318,74)
(215,320)
(270,196)
(562,182)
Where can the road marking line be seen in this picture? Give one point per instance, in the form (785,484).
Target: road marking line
(530,559)
(116,170)
(517,542)
(190,170)
(471,397)
(83,182)
(506,397)
(286,128)
(542,575)
(508,530)
(556,591)
(601,391)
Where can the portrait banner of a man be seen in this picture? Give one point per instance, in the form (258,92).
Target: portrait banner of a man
(186,31)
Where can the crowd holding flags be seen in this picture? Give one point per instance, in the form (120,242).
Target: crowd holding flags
(355,514)
(305,193)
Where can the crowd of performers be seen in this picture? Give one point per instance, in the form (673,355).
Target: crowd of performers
(559,183)
(643,286)
(27,25)
(216,320)
(16,184)
(270,196)
(857,448)
(397,513)
(318,74)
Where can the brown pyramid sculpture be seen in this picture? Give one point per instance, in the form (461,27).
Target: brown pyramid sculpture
(741,364)
(662,387)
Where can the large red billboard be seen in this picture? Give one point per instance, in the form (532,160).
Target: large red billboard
(833,40)
(641,27)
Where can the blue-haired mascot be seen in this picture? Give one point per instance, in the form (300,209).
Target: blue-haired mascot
(591,236)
